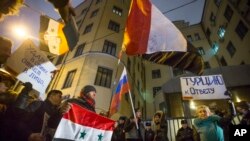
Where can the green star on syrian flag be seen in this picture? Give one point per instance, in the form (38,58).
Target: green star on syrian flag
(82,134)
(100,137)
(80,124)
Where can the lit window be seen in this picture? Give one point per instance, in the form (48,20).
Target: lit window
(201,51)
(221,32)
(215,47)
(117,11)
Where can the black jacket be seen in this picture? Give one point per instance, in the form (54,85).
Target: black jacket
(185,134)
(82,102)
(118,133)
(19,123)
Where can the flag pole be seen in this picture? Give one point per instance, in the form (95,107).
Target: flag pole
(132,105)
(118,63)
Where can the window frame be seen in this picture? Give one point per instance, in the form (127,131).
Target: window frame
(116,10)
(109,47)
(88,28)
(114,26)
(103,77)
(79,50)
(231,49)
(69,79)
(156,74)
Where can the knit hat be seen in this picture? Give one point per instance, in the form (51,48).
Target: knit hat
(184,121)
(88,88)
(122,118)
(148,123)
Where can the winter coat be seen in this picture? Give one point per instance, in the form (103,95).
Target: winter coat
(131,132)
(82,102)
(21,123)
(245,119)
(118,134)
(149,135)
(160,129)
(208,128)
(185,134)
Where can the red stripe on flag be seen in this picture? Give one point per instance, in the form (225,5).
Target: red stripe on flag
(84,117)
(138,27)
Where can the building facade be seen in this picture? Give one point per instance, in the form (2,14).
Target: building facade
(222,38)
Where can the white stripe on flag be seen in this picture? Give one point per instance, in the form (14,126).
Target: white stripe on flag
(164,36)
(52,38)
(73,131)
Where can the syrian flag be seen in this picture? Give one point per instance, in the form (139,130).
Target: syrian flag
(80,124)
(52,38)
(148,31)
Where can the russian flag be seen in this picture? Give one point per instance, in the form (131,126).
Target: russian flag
(80,124)
(122,88)
(148,31)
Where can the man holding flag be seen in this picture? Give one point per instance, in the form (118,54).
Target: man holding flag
(86,98)
(81,122)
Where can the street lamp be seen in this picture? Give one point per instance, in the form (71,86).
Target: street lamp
(20,31)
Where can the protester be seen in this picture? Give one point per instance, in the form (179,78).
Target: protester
(86,98)
(6,97)
(206,125)
(119,133)
(160,126)
(243,109)
(38,121)
(149,133)
(225,121)
(185,133)
(135,132)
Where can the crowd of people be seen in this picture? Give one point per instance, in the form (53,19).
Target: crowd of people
(134,129)
(22,116)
